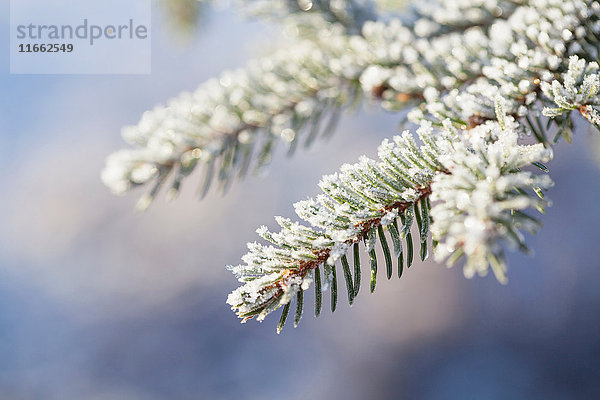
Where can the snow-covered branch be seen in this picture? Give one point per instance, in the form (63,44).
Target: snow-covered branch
(474,177)
(482,76)
(579,91)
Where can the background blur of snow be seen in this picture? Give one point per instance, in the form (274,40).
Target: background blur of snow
(99,303)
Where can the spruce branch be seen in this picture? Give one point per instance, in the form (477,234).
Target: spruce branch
(228,122)
(578,91)
(521,57)
(474,177)
(276,98)
(482,75)
(219,126)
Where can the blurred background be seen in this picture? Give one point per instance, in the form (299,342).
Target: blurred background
(99,303)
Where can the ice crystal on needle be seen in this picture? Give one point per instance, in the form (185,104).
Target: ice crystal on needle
(579,91)
(481,200)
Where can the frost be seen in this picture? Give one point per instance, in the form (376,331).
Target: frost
(578,91)
(476,183)
(481,76)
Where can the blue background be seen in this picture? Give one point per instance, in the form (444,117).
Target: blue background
(99,303)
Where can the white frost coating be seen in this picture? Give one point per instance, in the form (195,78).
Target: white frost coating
(518,54)
(457,55)
(265,101)
(470,66)
(473,175)
(578,91)
(474,203)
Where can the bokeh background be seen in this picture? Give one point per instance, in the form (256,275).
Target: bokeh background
(99,303)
